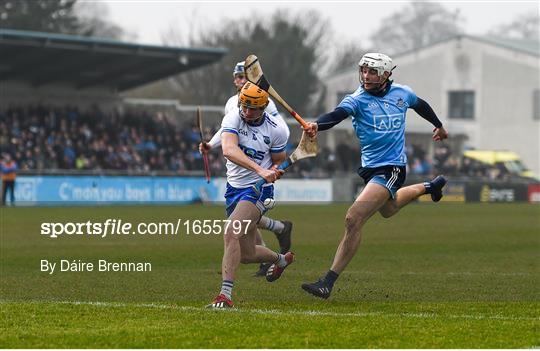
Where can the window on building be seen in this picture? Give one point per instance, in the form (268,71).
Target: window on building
(536,104)
(461,104)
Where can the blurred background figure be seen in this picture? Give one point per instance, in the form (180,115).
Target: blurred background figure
(9,169)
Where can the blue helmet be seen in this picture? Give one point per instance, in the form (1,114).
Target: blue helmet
(239,68)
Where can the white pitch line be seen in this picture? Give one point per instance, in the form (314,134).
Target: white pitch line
(504,274)
(465,273)
(282,312)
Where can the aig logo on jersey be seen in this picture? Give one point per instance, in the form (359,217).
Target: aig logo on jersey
(388,123)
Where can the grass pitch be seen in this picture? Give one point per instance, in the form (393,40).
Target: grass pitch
(433,276)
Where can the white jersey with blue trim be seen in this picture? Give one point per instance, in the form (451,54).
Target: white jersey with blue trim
(257,142)
(379,122)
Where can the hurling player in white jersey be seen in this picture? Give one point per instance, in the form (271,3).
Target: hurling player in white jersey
(282,229)
(378,109)
(254,145)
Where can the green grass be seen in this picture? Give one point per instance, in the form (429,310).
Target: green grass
(433,276)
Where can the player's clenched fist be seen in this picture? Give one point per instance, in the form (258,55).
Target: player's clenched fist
(311,129)
(439,134)
(279,172)
(204,147)
(269,175)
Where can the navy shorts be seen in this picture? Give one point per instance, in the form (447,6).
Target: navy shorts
(234,195)
(391,177)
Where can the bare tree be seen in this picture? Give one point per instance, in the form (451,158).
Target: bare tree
(290,48)
(93,21)
(58,16)
(416,25)
(347,56)
(525,26)
(39,15)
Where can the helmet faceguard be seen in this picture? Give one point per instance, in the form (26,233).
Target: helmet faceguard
(379,62)
(252,101)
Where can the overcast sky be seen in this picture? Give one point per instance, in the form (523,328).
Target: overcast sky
(149,20)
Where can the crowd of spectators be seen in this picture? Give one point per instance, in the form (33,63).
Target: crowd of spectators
(444,161)
(66,138)
(141,142)
(137,142)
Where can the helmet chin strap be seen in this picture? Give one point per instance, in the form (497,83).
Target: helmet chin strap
(380,87)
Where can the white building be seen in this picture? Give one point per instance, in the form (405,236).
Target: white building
(485,91)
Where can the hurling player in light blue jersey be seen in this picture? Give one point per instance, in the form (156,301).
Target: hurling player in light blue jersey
(378,108)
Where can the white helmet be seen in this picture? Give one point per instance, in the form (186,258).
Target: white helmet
(239,68)
(381,62)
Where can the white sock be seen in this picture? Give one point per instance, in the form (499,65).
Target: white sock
(281,261)
(226,288)
(271,224)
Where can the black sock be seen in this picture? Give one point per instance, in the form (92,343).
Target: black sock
(331,277)
(427,185)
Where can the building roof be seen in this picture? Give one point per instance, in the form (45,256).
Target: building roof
(85,62)
(531,47)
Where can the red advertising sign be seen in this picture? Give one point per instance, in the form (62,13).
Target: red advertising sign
(534,193)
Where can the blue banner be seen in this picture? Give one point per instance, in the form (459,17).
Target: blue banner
(91,190)
(87,190)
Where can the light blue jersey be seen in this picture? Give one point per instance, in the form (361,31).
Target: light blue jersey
(379,122)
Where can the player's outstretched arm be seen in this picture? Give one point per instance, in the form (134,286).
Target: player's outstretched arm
(426,112)
(216,139)
(326,121)
(214,142)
